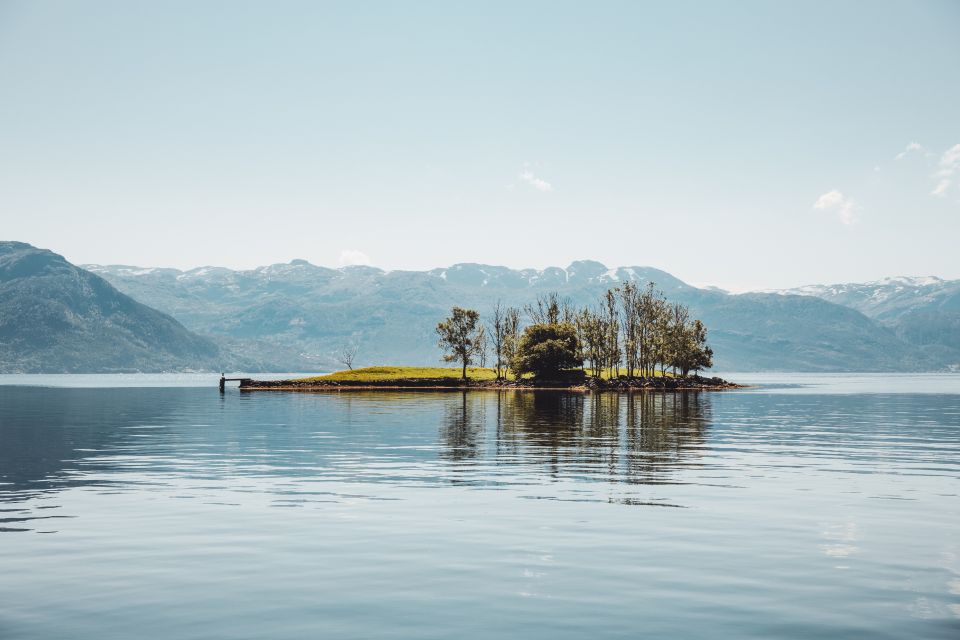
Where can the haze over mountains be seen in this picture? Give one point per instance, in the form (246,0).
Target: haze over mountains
(297,316)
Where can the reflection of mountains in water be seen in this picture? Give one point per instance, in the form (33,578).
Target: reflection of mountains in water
(635,438)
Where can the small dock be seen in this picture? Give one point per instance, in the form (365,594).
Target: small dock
(224,381)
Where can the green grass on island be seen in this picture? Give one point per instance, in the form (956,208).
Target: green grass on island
(383,374)
(386,374)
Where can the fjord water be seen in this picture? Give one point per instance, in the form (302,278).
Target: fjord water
(807,507)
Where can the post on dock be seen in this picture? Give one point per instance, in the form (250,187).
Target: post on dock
(223,383)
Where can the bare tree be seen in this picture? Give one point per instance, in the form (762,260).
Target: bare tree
(483,346)
(612,356)
(550,309)
(347,355)
(511,336)
(662,335)
(545,310)
(498,333)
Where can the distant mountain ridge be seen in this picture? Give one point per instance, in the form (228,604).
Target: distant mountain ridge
(888,297)
(472,274)
(923,311)
(55,317)
(391,315)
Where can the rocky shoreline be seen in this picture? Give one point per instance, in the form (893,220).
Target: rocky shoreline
(578,383)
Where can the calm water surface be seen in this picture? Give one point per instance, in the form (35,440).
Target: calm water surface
(809,507)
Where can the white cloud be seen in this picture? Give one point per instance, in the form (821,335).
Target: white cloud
(350,257)
(834,201)
(913,146)
(537,183)
(941,188)
(948,171)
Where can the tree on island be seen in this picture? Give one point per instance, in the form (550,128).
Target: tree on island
(593,333)
(693,353)
(460,337)
(483,346)
(547,350)
(630,326)
(504,335)
(612,351)
(347,355)
(498,338)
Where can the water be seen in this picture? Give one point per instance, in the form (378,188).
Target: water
(810,506)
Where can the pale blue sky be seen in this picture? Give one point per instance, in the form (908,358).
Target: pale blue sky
(693,137)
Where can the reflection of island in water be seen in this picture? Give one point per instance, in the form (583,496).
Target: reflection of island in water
(120,440)
(634,438)
(57,438)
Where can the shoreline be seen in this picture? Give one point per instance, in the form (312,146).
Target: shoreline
(657,384)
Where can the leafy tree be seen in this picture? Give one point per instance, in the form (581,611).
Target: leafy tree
(592,333)
(547,349)
(702,354)
(661,335)
(678,334)
(651,323)
(629,307)
(460,337)
(693,353)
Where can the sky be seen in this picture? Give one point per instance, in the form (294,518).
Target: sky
(747,145)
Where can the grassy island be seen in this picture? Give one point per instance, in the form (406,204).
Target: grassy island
(368,375)
(632,339)
(414,378)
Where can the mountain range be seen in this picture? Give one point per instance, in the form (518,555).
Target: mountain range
(55,317)
(296,316)
(923,311)
(391,315)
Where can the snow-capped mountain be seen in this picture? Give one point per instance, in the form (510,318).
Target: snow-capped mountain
(889,298)
(923,311)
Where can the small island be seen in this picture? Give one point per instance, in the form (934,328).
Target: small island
(449,378)
(633,340)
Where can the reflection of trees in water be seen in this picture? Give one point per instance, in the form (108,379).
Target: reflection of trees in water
(539,426)
(661,429)
(56,438)
(462,430)
(634,437)
(543,419)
